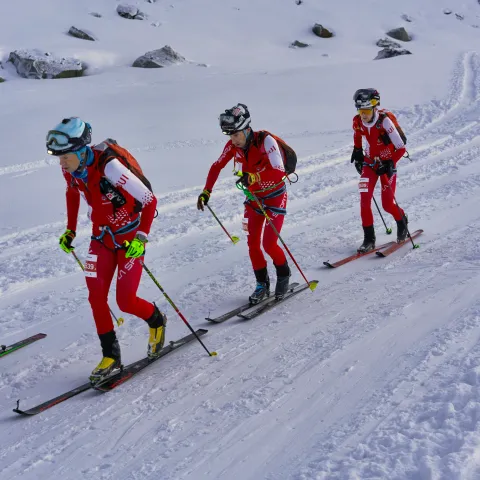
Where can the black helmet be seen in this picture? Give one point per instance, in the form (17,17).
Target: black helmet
(235,119)
(366,98)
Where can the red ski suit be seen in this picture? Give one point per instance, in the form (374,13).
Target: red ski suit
(375,152)
(262,155)
(123,222)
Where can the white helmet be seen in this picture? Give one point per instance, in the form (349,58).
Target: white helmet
(235,119)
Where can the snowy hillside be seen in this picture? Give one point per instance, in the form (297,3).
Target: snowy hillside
(376,374)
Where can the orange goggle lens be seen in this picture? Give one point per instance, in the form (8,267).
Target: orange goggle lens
(365,111)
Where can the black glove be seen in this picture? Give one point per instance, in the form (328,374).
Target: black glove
(386,167)
(358,158)
(203,199)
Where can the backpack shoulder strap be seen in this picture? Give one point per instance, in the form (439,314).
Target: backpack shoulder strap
(381,117)
(259,138)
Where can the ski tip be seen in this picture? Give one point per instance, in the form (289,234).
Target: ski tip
(202,331)
(313,285)
(21,412)
(328,264)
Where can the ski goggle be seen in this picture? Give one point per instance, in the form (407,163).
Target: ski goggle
(365,111)
(59,143)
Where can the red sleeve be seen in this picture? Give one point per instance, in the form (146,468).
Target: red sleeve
(357,132)
(148,214)
(217,167)
(73,201)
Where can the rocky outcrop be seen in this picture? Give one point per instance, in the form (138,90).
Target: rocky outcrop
(77,33)
(399,34)
(35,64)
(387,43)
(391,52)
(321,31)
(130,12)
(163,57)
(298,44)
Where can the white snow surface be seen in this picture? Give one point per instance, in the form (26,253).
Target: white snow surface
(376,374)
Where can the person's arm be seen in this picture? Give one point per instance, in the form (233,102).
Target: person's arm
(72,196)
(121,177)
(217,167)
(395,138)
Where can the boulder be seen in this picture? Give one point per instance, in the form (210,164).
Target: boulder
(298,44)
(321,31)
(163,57)
(35,64)
(2,80)
(391,52)
(386,42)
(447,11)
(131,12)
(77,33)
(399,34)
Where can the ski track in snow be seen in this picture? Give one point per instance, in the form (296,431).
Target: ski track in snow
(378,438)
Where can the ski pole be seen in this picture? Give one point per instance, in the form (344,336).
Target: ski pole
(313,284)
(119,320)
(170,301)
(387,229)
(234,239)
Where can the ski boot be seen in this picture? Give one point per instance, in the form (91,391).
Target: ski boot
(111,361)
(157,324)
(262,289)
(283,280)
(368,240)
(402,230)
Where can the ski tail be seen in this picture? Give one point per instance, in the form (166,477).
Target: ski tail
(5,350)
(273,302)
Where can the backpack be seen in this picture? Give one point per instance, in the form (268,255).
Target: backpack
(110,149)
(383,134)
(289,155)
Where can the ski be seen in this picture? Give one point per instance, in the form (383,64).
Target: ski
(242,308)
(355,256)
(396,246)
(5,350)
(127,371)
(265,306)
(54,401)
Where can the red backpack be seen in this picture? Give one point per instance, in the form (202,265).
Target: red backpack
(114,150)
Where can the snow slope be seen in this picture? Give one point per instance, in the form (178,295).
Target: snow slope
(375,375)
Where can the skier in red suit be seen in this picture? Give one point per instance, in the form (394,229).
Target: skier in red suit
(384,148)
(121,207)
(258,156)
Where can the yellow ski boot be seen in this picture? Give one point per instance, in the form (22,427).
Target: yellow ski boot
(104,369)
(157,324)
(111,360)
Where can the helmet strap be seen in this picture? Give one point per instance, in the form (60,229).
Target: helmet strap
(85,155)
